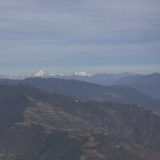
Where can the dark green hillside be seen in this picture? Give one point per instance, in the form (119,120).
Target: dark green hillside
(51,126)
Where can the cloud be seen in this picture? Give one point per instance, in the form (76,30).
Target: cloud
(91,17)
(72,29)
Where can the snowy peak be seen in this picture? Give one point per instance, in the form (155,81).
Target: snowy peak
(83,74)
(13,76)
(39,74)
(54,74)
(47,75)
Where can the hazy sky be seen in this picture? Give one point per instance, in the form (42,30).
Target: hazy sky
(79,35)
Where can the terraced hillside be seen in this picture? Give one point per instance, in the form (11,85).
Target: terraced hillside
(37,125)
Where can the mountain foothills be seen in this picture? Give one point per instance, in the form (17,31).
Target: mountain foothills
(148,84)
(88,91)
(38,125)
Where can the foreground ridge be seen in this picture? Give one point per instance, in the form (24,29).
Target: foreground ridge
(41,125)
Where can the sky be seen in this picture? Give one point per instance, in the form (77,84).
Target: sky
(95,36)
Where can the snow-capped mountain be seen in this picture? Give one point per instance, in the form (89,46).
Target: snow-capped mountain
(47,75)
(83,74)
(13,76)
(100,78)
(37,74)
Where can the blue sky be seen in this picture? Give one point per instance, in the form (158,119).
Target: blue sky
(79,35)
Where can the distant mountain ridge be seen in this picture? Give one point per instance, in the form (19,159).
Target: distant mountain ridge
(37,74)
(76,75)
(87,91)
(148,84)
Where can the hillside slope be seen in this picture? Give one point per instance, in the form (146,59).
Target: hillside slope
(88,91)
(148,84)
(40,125)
